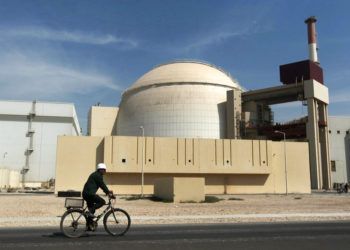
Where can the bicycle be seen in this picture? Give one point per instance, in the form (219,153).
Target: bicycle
(75,221)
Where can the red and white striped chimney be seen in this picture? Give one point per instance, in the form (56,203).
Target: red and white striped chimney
(311,32)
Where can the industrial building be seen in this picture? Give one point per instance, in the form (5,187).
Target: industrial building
(172,122)
(28,139)
(165,129)
(190,119)
(339,138)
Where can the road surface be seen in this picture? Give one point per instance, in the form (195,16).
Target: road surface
(285,236)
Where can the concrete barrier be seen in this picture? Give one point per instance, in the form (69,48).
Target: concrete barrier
(180,189)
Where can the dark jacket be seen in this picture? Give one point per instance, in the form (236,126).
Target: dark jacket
(94,182)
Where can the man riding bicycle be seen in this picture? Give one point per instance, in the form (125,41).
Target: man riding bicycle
(79,219)
(94,182)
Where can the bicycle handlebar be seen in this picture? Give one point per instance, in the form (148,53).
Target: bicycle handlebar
(111,196)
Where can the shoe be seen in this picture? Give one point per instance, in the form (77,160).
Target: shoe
(91,226)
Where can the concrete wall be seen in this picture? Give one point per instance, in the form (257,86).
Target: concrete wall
(77,158)
(164,188)
(228,166)
(180,189)
(191,156)
(314,89)
(102,121)
(233,114)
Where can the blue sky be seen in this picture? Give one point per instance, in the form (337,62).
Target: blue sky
(90,51)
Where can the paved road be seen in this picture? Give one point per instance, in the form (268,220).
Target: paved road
(213,236)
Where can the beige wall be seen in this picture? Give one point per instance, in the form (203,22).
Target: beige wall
(164,188)
(123,154)
(77,157)
(228,166)
(102,121)
(180,189)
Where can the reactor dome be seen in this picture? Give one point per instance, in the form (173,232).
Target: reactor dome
(178,99)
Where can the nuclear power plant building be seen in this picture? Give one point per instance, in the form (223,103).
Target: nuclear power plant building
(183,119)
(188,127)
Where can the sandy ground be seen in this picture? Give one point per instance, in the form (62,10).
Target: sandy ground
(45,210)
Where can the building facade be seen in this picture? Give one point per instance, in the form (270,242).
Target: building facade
(28,137)
(339,140)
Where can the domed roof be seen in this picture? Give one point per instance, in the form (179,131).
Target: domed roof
(185,72)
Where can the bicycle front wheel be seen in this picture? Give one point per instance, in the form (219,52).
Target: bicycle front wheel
(116,222)
(73,223)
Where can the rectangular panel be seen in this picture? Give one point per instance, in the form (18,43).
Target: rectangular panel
(206,154)
(314,89)
(149,150)
(165,153)
(263,153)
(107,150)
(189,151)
(125,151)
(227,153)
(181,152)
(242,153)
(219,153)
(256,153)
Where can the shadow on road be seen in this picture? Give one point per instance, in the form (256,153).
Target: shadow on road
(60,235)
(54,235)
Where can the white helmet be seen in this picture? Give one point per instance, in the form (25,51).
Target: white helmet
(101,166)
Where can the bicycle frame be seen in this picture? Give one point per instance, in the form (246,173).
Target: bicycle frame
(109,206)
(74,227)
(98,217)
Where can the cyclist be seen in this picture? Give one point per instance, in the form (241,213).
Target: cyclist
(94,182)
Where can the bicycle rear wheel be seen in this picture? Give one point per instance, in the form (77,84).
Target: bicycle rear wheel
(73,223)
(116,222)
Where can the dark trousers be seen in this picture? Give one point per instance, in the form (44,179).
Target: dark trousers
(94,202)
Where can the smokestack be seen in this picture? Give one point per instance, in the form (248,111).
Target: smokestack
(311,32)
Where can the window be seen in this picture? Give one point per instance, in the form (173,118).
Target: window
(330,131)
(338,131)
(333,166)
